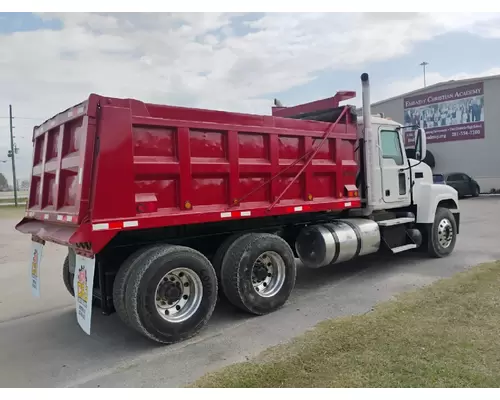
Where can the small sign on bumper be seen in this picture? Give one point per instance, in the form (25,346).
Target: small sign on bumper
(36,260)
(83,282)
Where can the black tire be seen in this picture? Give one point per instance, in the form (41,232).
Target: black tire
(218,258)
(434,247)
(121,280)
(222,251)
(475,191)
(147,272)
(68,277)
(237,267)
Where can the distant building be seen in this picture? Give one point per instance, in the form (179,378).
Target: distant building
(462,121)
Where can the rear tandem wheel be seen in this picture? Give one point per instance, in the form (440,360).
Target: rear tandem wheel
(170,293)
(68,277)
(258,273)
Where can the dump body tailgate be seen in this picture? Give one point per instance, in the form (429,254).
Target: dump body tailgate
(63,149)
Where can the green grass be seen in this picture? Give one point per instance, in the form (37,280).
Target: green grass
(21,200)
(11,212)
(445,335)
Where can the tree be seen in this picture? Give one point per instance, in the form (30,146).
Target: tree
(4,184)
(25,185)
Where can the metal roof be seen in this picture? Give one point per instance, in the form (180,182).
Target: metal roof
(438,85)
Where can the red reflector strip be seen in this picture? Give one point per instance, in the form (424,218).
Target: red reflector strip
(63,218)
(52,217)
(235,214)
(114,225)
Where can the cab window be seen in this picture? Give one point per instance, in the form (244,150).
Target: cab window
(391,146)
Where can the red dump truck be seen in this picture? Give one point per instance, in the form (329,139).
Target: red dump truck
(165,208)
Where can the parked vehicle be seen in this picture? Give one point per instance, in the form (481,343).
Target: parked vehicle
(461,182)
(163,207)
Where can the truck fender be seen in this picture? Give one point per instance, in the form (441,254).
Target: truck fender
(433,197)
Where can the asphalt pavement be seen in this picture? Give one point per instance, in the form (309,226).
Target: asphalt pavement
(41,344)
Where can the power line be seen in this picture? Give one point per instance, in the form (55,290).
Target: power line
(30,118)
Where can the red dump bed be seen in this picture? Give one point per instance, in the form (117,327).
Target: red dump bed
(111,164)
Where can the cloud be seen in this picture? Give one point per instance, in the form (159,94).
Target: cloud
(217,60)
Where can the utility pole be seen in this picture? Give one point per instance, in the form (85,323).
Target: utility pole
(12,154)
(424,64)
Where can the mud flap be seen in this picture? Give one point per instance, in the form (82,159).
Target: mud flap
(84,285)
(37,246)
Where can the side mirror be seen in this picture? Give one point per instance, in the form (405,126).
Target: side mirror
(420,144)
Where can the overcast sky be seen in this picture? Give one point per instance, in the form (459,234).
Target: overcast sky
(236,62)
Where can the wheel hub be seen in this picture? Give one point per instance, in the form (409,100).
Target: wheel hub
(261,273)
(170,292)
(178,295)
(445,233)
(268,274)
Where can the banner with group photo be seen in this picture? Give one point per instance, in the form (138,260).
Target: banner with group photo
(446,115)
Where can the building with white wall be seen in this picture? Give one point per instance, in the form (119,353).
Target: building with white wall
(462,121)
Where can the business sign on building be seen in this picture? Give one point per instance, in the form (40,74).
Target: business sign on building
(447,115)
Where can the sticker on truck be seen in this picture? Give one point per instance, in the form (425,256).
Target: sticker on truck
(36,261)
(83,284)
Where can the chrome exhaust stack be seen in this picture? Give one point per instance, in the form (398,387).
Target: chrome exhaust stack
(370,144)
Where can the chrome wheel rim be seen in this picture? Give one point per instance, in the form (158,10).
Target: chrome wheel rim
(178,295)
(445,232)
(268,274)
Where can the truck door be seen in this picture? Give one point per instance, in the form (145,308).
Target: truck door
(395,175)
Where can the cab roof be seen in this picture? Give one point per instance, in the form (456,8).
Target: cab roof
(380,121)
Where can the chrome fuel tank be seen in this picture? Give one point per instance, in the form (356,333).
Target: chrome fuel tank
(338,241)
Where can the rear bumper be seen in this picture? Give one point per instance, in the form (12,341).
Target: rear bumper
(56,233)
(79,237)
(79,240)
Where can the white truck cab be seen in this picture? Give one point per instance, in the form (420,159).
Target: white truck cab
(390,183)
(398,181)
